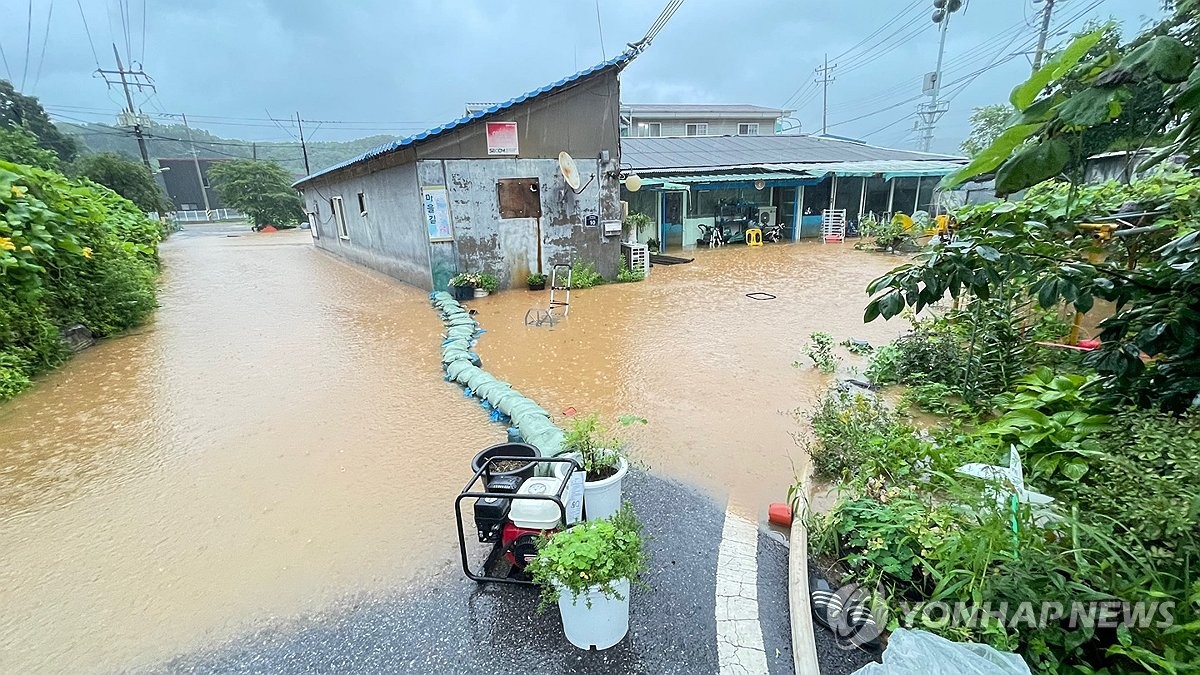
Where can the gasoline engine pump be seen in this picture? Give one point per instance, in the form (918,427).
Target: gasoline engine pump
(513,510)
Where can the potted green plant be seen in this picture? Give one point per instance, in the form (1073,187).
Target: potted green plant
(485,284)
(537,281)
(588,571)
(605,462)
(463,285)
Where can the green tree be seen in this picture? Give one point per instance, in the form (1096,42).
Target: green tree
(24,112)
(132,180)
(261,190)
(21,147)
(987,123)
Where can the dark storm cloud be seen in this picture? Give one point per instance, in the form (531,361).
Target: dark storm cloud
(415,63)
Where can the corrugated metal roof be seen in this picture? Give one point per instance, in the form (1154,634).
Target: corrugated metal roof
(735,177)
(890,168)
(667,108)
(615,62)
(650,154)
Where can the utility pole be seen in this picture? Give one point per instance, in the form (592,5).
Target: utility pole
(930,113)
(196,162)
(824,79)
(254,151)
(138,79)
(1040,53)
(303,147)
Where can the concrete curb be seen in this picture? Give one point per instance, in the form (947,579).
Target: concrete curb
(804,642)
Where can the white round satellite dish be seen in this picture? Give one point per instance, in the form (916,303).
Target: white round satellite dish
(633,182)
(570,172)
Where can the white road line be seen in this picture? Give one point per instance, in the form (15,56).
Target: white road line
(739,635)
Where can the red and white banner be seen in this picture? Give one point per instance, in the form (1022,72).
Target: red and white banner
(502,138)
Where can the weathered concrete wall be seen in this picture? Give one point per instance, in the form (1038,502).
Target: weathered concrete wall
(391,237)
(508,247)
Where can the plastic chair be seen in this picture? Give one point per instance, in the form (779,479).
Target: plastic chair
(754,237)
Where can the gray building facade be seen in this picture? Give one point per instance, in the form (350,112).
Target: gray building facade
(461,198)
(689,119)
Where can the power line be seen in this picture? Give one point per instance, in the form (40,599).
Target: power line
(45,40)
(883,26)
(88,32)
(600,28)
(142,54)
(4,58)
(28,34)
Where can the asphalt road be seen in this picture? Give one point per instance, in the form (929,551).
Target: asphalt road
(449,624)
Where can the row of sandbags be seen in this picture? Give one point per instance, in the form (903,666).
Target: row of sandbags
(462,365)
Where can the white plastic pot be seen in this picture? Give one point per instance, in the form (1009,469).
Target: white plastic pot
(481,292)
(601,498)
(599,626)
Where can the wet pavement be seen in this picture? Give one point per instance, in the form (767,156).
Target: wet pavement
(277,452)
(453,625)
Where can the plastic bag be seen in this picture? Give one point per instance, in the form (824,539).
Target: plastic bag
(917,652)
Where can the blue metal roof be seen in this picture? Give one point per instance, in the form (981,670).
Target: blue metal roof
(615,62)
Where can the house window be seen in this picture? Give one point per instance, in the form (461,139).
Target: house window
(339,216)
(748,129)
(362,204)
(700,129)
(312,224)
(649,129)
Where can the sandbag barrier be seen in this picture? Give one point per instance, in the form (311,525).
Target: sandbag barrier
(503,403)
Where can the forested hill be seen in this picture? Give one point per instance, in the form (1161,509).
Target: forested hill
(170,140)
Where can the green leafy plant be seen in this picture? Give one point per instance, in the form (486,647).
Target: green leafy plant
(857,347)
(584,275)
(625,275)
(652,244)
(535,279)
(488,282)
(592,555)
(600,449)
(820,351)
(464,280)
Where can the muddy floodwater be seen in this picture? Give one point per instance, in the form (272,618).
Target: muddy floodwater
(280,437)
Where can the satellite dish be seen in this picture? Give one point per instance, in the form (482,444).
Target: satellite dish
(633,182)
(570,172)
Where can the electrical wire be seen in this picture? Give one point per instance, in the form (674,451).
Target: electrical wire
(600,28)
(4,58)
(45,40)
(142,54)
(88,32)
(28,34)
(890,22)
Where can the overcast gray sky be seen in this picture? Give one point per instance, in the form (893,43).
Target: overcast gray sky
(398,66)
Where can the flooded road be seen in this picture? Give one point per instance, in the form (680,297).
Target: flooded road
(262,448)
(280,437)
(710,368)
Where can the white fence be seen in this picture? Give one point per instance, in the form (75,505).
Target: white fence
(214,215)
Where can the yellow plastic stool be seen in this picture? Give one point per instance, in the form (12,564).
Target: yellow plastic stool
(754,237)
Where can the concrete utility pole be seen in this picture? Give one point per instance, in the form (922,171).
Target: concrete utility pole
(1040,53)
(303,147)
(824,79)
(933,111)
(140,80)
(196,163)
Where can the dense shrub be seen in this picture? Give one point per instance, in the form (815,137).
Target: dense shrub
(71,251)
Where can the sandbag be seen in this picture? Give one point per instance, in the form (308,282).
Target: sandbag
(455,368)
(466,374)
(479,379)
(487,389)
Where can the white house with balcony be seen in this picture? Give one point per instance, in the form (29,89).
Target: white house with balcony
(687,119)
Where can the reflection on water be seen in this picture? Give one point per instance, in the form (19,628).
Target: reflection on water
(280,436)
(710,368)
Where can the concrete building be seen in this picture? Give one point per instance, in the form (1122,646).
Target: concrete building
(692,183)
(673,119)
(484,193)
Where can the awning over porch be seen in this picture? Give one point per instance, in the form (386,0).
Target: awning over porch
(888,168)
(709,181)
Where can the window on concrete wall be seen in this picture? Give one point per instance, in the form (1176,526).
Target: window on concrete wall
(339,216)
(878,190)
(698,129)
(362,204)
(748,129)
(904,196)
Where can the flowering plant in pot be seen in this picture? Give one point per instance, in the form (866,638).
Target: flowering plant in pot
(605,460)
(463,285)
(485,284)
(588,570)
